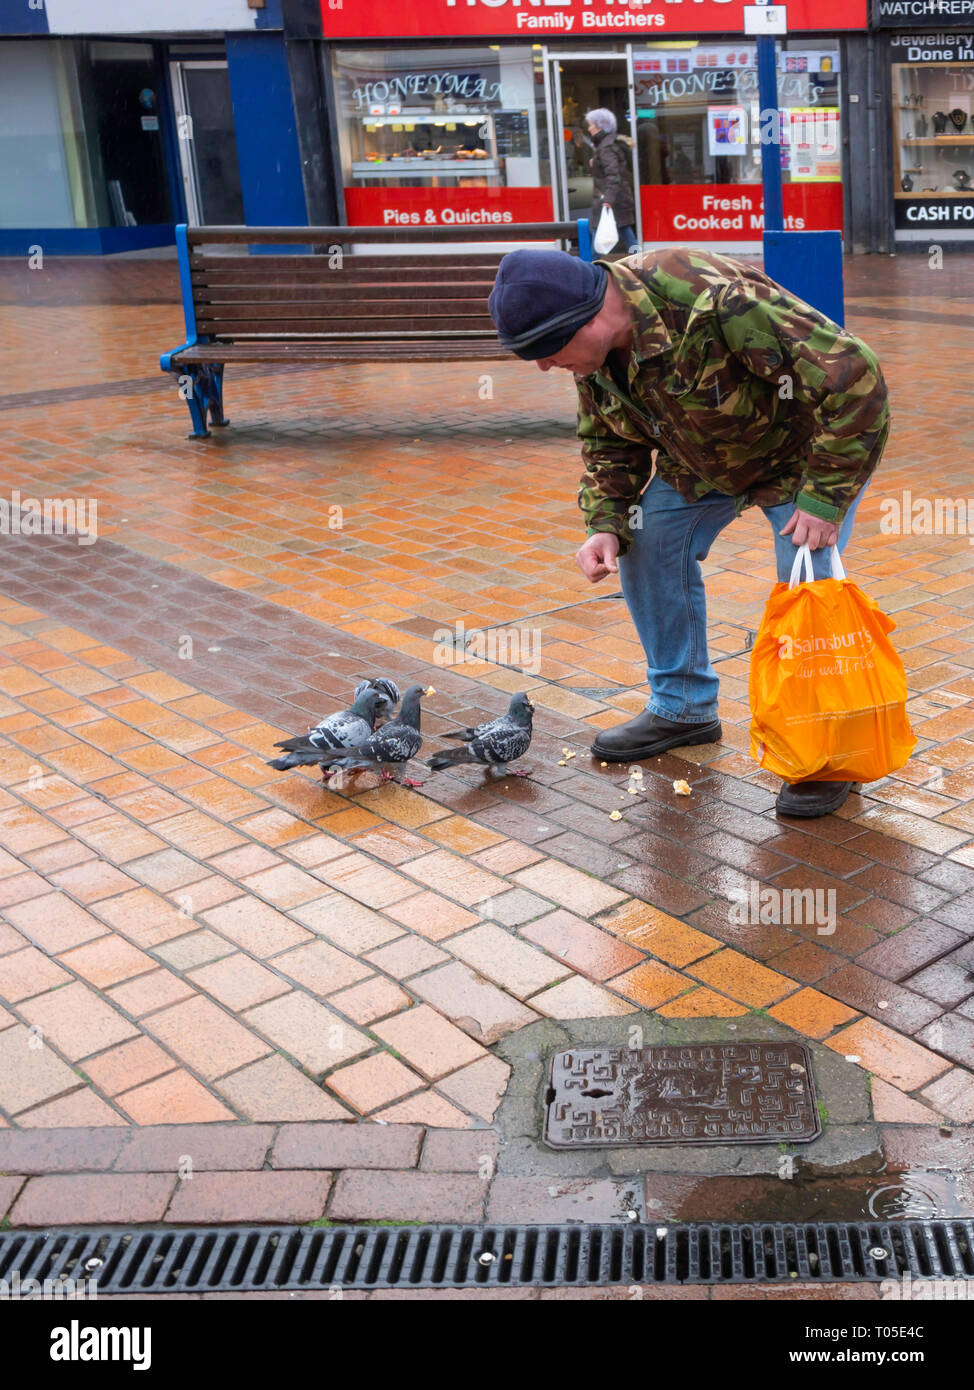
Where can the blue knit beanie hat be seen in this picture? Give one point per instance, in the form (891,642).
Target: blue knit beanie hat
(541,299)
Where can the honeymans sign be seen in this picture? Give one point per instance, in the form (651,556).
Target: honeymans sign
(906,14)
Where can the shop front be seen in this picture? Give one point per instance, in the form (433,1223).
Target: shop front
(482,120)
(931,92)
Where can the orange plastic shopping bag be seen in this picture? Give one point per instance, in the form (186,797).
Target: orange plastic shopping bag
(828,691)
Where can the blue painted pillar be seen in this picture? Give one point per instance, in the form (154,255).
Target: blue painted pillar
(267,132)
(774,210)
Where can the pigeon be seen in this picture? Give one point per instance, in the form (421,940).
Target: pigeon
(396,742)
(346,729)
(495,743)
(388,695)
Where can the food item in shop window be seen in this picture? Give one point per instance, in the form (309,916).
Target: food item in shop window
(962,180)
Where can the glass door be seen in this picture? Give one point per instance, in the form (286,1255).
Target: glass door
(207,143)
(580,82)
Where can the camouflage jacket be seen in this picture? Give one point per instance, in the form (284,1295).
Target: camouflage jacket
(734,386)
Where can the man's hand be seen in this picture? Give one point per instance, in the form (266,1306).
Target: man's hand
(598,556)
(811,530)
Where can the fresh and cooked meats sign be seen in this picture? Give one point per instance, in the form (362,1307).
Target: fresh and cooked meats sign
(536,19)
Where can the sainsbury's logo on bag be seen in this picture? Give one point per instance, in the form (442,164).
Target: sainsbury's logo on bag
(792,648)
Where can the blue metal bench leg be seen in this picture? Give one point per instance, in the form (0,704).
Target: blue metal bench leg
(205,398)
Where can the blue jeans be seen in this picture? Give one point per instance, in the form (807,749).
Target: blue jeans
(664,590)
(627,239)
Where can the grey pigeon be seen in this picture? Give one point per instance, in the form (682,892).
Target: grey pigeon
(394,743)
(388,694)
(495,743)
(346,729)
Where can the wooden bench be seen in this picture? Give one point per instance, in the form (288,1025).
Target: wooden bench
(317,301)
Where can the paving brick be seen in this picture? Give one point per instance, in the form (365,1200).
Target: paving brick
(374,998)
(205,1037)
(256,927)
(663,936)
(121,1068)
(9,1187)
(149,992)
(196,948)
(811,1012)
(346,1146)
(892,1004)
(505,959)
(595,953)
(455,878)
(321,968)
(427,1108)
(107,961)
(892,1107)
(432,916)
(741,978)
(274,1089)
(922,1147)
(176,1098)
(28,972)
(261,1198)
(479,1008)
(93,1200)
(59,1150)
(406,1196)
(952,1095)
(373,1082)
(54,922)
(578,998)
(347,924)
(407,956)
(318,1038)
(901,1062)
(479,1087)
(569,887)
(532,1201)
(649,984)
(428,1042)
(909,950)
(953,1036)
(77,1021)
(239,982)
(460,1151)
(209,1147)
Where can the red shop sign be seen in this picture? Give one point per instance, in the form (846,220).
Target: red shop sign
(446,207)
(536,20)
(693,212)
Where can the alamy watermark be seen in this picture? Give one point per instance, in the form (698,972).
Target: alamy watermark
(909,515)
(502,646)
(17,1290)
(785,907)
(49,516)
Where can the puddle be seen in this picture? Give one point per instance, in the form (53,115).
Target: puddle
(890,1196)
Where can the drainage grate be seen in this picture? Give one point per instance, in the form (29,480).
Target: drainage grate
(349,1257)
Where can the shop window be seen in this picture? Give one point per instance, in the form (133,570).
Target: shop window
(80,138)
(441,137)
(700,131)
(933,139)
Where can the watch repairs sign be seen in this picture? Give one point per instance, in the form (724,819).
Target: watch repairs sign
(905,14)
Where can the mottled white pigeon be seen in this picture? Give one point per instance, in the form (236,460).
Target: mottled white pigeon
(388,693)
(394,743)
(495,743)
(345,729)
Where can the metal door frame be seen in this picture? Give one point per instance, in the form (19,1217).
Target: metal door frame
(552,61)
(184,122)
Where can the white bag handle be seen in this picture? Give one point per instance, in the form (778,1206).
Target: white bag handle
(804,557)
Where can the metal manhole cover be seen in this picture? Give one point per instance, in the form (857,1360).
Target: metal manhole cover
(705,1093)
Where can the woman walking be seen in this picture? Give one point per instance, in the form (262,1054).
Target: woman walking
(610,176)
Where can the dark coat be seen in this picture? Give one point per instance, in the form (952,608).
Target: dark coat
(611,172)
